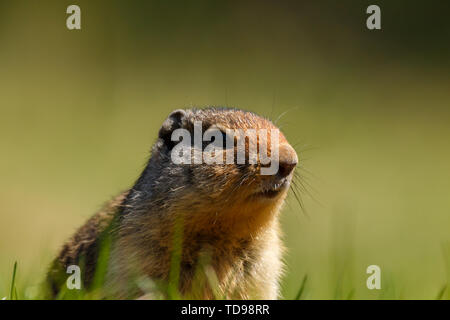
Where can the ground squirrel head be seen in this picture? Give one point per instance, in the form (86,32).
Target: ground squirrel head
(216,191)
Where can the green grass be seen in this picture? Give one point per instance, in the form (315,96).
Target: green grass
(13,291)
(304,289)
(301,290)
(343,288)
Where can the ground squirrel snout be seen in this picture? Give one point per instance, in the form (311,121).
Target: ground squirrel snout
(288,160)
(228,210)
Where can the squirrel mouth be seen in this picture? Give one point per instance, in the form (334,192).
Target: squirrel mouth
(274,189)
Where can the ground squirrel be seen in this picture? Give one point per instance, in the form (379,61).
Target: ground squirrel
(229,214)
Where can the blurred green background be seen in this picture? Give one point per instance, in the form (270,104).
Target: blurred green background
(369,111)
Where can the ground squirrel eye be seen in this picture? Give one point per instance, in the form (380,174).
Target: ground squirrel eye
(217,139)
(169,144)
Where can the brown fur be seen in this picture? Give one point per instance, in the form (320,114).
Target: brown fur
(231,244)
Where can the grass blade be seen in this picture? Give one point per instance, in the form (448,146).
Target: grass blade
(302,288)
(175,261)
(441,292)
(13,281)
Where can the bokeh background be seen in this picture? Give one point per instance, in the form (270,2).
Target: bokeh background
(369,112)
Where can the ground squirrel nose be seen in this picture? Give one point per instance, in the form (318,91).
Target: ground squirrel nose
(288,160)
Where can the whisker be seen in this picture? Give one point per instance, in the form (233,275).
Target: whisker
(299,199)
(283,114)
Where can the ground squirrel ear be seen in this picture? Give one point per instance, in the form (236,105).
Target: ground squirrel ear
(175,120)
